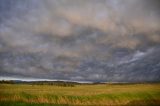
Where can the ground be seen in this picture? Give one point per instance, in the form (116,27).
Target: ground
(99,94)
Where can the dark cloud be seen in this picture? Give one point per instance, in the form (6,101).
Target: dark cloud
(88,40)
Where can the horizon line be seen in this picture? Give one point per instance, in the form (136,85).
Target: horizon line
(40,79)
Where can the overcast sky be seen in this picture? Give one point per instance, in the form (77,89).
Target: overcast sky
(80,40)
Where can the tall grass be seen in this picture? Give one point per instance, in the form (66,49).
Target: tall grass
(137,94)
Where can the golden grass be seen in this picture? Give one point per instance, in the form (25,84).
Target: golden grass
(103,94)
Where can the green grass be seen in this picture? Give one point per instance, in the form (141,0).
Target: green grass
(4,103)
(103,94)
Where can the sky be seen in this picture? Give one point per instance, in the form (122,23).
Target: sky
(80,40)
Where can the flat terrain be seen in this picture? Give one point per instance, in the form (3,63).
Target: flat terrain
(101,94)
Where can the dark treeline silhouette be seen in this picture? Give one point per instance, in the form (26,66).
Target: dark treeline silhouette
(54,83)
(7,82)
(64,83)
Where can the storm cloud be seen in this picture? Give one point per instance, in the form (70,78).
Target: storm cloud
(80,40)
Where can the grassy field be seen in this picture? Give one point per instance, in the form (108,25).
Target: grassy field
(102,94)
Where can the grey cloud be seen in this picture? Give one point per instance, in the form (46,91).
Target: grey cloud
(80,40)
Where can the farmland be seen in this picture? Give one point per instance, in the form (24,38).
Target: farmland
(98,94)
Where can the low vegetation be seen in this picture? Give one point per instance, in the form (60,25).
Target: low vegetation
(79,94)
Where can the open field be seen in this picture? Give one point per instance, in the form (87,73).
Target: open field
(102,94)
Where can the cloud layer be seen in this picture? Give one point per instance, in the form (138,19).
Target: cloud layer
(80,40)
